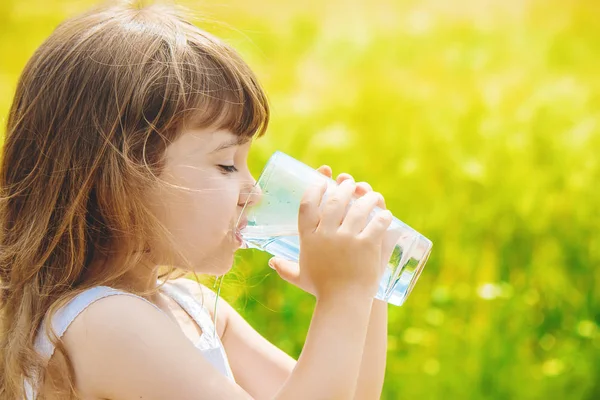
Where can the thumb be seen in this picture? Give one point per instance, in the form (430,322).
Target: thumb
(287,270)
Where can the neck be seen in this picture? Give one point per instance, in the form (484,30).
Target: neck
(140,279)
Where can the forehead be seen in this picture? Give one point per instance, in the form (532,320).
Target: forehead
(222,140)
(203,142)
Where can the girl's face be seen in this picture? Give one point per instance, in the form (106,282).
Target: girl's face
(206,184)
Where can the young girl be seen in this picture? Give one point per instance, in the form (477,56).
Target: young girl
(126,151)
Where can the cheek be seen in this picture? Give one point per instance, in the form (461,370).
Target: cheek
(214,204)
(199,219)
(212,216)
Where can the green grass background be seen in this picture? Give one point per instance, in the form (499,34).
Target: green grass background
(479,122)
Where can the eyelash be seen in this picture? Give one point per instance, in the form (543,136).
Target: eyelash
(228,168)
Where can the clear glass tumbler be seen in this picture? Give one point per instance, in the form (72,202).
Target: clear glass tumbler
(273,226)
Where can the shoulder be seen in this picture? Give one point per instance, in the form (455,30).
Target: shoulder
(111,311)
(113,329)
(194,288)
(121,346)
(208,299)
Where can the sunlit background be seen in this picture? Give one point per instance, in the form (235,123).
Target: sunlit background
(479,121)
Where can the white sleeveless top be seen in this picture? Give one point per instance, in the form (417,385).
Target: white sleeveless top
(209,343)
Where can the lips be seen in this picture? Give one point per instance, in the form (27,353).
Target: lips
(242,225)
(238,233)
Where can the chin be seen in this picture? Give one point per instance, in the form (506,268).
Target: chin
(214,265)
(218,261)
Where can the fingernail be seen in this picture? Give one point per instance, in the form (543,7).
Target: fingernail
(272,263)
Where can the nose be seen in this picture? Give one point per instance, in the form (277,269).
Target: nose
(250,194)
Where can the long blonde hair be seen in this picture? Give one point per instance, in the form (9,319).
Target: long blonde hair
(94,110)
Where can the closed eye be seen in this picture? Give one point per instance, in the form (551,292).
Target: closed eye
(228,168)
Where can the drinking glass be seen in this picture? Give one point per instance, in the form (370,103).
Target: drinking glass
(273,226)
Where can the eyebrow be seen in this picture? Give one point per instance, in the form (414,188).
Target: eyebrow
(230,143)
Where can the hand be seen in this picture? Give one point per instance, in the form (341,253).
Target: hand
(289,270)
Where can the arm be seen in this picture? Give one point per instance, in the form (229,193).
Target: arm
(122,348)
(258,366)
(372,368)
(261,368)
(338,330)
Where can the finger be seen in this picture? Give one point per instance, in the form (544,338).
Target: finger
(325,170)
(358,215)
(362,188)
(334,208)
(381,203)
(288,270)
(342,177)
(377,226)
(308,214)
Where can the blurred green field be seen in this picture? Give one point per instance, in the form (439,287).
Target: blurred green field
(480,123)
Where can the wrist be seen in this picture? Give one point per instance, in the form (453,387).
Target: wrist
(346,296)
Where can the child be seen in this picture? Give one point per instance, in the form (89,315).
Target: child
(126,150)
